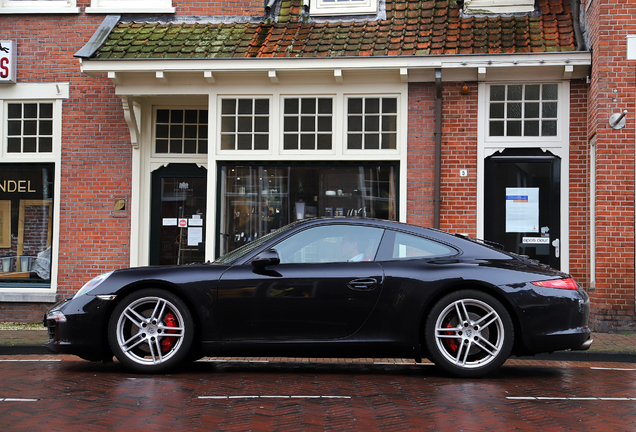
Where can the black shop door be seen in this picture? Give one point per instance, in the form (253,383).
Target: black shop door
(522,202)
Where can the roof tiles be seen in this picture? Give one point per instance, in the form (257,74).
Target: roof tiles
(411,27)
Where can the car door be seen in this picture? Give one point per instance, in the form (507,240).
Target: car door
(316,292)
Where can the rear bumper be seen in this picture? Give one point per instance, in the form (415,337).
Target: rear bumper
(550,319)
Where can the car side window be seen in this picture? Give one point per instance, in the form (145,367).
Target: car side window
(409,246)
(330,244)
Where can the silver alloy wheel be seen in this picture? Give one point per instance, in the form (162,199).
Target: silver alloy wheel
(469,333)
(142,327)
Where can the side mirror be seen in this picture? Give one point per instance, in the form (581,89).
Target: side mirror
(267,258)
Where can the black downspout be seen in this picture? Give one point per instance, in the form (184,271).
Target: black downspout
(438,148)
(575,5)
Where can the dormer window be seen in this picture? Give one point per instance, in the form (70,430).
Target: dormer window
(498,6)
(343,7)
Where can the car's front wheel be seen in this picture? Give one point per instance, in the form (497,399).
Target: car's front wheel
(151,330)
(469,333)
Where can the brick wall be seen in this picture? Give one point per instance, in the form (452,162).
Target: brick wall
(612,89)
(579,230)
(459,151)
(458,209)
(421,154)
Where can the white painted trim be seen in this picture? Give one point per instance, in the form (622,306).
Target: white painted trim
(559,146)
(55,93)
(117,10)
(130,6)
(546,63)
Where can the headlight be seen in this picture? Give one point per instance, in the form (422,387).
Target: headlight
(92,284)
(56,316)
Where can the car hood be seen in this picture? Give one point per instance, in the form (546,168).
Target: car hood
(183,275)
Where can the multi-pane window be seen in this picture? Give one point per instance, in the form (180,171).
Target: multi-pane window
(372,123)
(30,127)
(307,124)
(523,110)
(244,124)
(181,131)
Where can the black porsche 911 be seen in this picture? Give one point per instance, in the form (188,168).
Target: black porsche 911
(330,288)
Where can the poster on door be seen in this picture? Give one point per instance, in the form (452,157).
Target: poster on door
(522,210)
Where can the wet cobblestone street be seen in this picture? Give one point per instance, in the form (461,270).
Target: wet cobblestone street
(61,393)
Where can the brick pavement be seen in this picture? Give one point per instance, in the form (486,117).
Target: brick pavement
(15,343)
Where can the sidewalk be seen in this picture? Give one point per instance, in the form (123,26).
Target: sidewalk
(606,347)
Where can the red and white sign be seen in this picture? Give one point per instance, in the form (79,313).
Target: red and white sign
(183,223)
(8,61)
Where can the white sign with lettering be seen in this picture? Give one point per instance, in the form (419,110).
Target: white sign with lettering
(8,61)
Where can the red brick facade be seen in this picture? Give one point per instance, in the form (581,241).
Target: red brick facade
(612,90)
(96,155)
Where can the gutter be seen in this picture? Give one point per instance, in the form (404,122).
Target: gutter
(99,37)
(438,148)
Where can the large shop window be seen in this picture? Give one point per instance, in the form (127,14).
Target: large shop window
(257,199)
(26,222)
(529,110)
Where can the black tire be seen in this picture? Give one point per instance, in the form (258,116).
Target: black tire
(151,331)
(469,334)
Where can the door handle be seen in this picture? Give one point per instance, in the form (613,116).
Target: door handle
(556,243)
(364,284)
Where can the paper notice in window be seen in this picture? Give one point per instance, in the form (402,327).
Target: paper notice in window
(522,210)
(195,236)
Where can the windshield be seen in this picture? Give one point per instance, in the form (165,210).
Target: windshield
(236,254)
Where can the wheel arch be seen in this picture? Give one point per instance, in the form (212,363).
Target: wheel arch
(492,290)
(157,284)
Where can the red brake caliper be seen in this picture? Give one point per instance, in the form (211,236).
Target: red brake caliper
(451,343)
(168,342)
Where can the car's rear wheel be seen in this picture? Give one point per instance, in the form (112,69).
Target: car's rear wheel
(469,333)
(151,331)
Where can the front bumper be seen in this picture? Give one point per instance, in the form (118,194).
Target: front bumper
(78,327)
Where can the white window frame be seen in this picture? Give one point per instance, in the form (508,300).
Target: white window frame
(562,113)
(54,93)
(335,116)
(217,137)
(130,6)
(343,7)
(399,115)
(506,120)
(558,145)
(154,133)
(38,6)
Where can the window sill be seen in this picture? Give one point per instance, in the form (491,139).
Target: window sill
(39,11)
(30,297)
(120,10)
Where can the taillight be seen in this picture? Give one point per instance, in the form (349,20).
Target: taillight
(567,284)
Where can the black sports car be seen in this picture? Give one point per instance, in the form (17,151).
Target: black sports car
(330,288)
